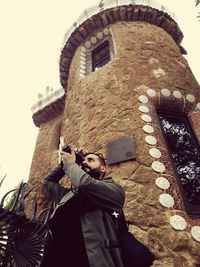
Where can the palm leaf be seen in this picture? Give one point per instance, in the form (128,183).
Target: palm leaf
(2,180)
(4,197)
(21,204)
(21,240)
(28,245)
(18,196)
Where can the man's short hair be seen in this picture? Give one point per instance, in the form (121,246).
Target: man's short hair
(99,155)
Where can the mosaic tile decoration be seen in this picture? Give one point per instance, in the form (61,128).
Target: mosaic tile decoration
(170,198)
(48,98)
(106,4)
(92,43)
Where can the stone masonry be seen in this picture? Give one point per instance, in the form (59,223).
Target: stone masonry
(106,105)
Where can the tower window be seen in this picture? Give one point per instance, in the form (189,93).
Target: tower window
(97,51)
(100,56)
(184,151)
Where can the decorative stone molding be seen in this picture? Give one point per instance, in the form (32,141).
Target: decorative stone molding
(166,200)
(158,166)
(148,129)
(177,94)
(165,92)
(48,106)
(109,12)
(143,109)
(92,43)
(151,140)
(162,183)
(146,118)
(178,222)
(143,99)
(170,198)
(190,98)
(50,97)
(155,153)
(196,233)
(110,4)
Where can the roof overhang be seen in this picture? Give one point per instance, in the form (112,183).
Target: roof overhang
(109,12)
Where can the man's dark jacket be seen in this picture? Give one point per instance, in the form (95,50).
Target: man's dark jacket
(97,205)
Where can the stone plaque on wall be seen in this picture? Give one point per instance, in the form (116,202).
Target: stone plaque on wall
(121,150)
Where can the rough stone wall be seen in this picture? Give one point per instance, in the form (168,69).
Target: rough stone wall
(104,106)
(44,159)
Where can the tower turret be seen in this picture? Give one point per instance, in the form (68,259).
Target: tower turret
(123,74)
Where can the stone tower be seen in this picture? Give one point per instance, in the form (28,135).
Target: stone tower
(121,69)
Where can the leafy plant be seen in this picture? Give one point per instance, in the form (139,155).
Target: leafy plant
(10,203)
(197,2)
(21,240)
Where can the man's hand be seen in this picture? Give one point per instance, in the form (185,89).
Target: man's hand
(68,157)
(80,149)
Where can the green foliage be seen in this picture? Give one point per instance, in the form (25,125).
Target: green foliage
(11,200)
(21,240)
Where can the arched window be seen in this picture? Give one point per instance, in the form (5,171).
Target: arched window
(184,151)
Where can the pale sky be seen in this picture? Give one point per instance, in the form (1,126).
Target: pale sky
(32,33)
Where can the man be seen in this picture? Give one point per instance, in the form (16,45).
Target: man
(84,224)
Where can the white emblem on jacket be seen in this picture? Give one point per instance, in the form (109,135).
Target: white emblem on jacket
(116,214)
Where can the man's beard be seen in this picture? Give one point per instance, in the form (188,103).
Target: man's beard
(94,173)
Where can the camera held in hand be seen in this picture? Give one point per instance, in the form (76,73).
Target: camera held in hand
(79,155)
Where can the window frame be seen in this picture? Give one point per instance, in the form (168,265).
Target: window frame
(96,50)
(192,210)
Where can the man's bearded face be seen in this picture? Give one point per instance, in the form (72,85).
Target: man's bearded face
(92,166)
(95,173)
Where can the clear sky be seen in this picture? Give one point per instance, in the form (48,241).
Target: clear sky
(32,33)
